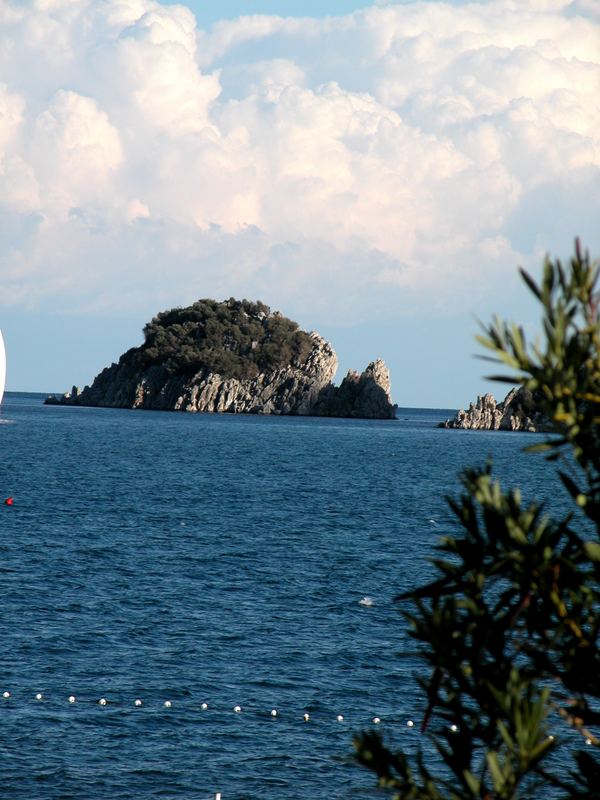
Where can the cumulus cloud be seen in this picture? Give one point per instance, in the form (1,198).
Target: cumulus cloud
(372,157)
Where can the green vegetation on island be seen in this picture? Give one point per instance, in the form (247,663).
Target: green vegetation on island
(236,338)
(509,629)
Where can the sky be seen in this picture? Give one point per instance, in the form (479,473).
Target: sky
(376,171)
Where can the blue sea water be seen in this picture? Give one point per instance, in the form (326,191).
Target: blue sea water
(222,560)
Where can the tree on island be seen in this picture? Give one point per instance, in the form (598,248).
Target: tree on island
(510,628)
(236,338)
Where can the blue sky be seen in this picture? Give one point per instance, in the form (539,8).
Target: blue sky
(375,171)
(208,13)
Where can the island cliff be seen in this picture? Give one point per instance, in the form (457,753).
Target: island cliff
(234,357)
(517,412)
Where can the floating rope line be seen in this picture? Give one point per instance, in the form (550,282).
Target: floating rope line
(273,713)
(9,701)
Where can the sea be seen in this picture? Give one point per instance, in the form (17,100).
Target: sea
(203,604)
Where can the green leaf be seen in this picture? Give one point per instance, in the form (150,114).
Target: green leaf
(592,550)
(530,283)
(495,771)
(472,782)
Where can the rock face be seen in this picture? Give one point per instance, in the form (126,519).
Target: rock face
(302,386)
(517,412)
(293,389)
(366,396)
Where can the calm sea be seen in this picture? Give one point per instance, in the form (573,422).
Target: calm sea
(219,560)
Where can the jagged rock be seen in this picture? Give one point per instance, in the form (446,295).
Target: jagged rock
(302,386)
(366,396)
(517,412)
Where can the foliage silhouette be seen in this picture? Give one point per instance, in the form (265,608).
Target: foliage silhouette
(509,630)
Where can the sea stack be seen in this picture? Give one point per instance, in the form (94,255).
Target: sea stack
(236,357)
(366,395)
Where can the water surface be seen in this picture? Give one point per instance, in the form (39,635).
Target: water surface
(214,559)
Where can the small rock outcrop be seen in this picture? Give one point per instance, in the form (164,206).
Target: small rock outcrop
(517,412)
(234,357)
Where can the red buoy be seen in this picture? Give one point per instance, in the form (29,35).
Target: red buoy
(9,501)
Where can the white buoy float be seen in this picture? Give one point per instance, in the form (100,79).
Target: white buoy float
(204,706)
(72,698)
(39,696)
(410,723)
(376,720)
(137,703)
(305,717)
(6,695)
(102,701)
(237,709)
(340,717)
(168,704)
(273,712)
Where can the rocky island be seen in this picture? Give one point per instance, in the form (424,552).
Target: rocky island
(517,412)
(237,357)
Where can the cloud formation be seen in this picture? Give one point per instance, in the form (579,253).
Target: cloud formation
(405,147)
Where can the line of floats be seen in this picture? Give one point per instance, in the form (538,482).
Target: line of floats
(40,697)
(274,713)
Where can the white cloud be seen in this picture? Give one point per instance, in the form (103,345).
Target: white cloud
(385,154)
(74,153)
(11,115)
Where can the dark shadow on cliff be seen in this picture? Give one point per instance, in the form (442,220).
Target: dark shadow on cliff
(361,396)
